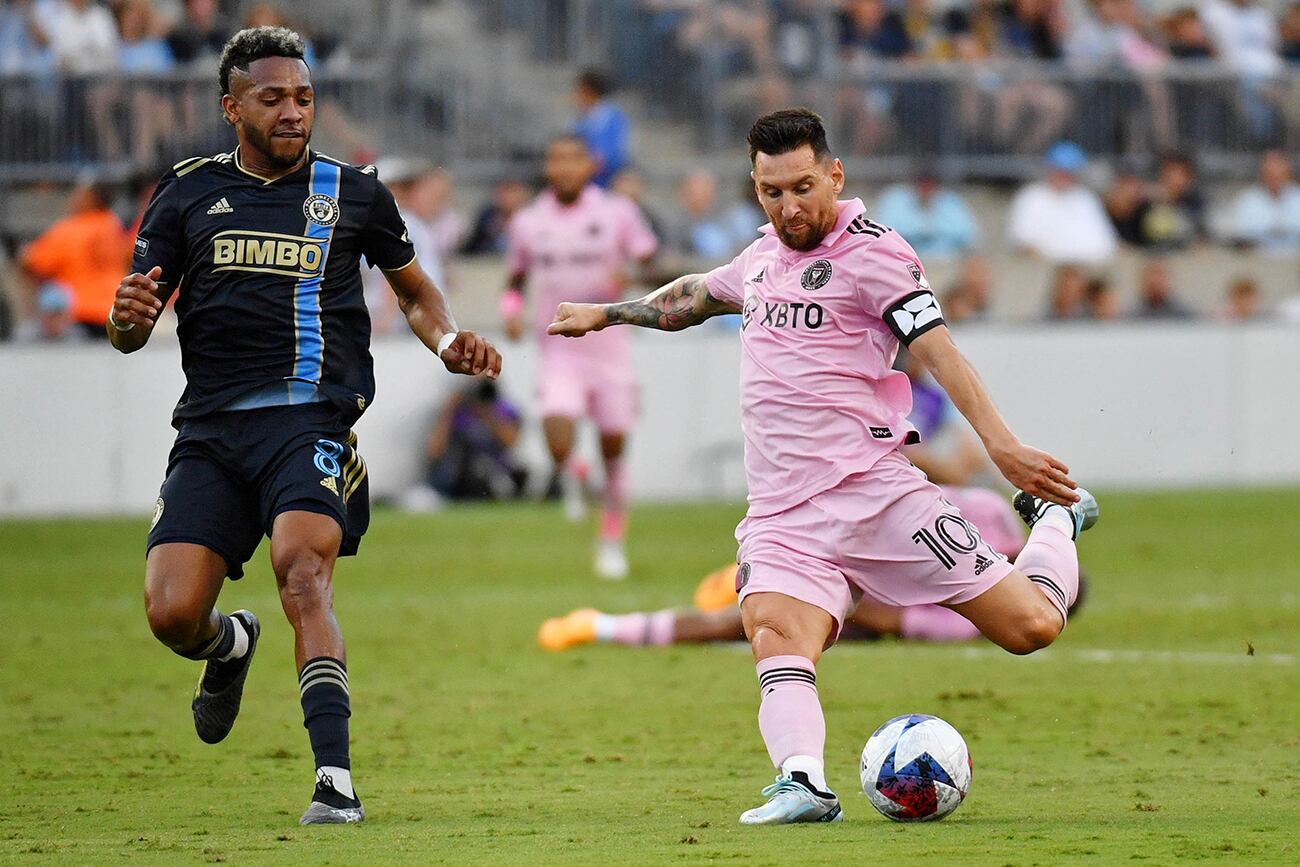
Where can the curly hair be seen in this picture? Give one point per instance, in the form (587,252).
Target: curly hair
(256,43)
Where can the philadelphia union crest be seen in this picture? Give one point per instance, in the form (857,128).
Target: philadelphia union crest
(816,275)
(321,209)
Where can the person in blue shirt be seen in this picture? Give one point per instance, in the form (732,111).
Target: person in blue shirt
(601,124)
(936,221)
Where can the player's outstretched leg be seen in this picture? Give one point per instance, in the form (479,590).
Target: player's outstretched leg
(640,629)
(787,637)
(304,546)
(1027,610)
(182,581)
(611,554)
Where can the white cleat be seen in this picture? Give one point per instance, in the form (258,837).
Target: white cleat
(575,498)
(611,560)
(792,799)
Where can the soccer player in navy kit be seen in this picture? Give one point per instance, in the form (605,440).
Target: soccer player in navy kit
(263,247)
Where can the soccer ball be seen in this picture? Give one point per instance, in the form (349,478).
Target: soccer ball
(915,768)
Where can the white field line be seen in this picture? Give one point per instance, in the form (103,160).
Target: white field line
(1081,654)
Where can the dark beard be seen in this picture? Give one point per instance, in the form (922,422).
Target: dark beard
(809,244)
(264,143)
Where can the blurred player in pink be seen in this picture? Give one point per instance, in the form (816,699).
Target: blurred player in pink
(579,241)
(836,512)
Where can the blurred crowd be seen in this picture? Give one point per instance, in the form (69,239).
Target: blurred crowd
(1009,74)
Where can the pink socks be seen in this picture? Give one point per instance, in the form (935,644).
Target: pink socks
(790,716)
(637,630)
(1050,560)
(613,519)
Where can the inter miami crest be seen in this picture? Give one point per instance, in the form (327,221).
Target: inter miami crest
(742,576)
(321,209)
(918,276)
(816,275)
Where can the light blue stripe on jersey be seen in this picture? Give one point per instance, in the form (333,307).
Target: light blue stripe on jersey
(291,392)
(309,349)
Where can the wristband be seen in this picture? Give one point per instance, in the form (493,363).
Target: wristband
(512,304)
(447,340)
(113,322)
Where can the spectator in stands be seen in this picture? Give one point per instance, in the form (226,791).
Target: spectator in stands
(1267,215)
(1176,218)
(152,116)
(934,220)
(870,31)
(1186,36)
(53,322)
(630,183)
(1156,294)
(1289,34)
(1246,39)
(1241,303)
(200,36)
(24,44)
(82,34)
(1099,301)
(969,298)
(431,202)
(489,232)
(86,252)
(1127,206)
(1068,291)
(1059,219)
(468,452)
(601,124)
(402,176)
(706,230)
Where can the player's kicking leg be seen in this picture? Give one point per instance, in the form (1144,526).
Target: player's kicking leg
(304,547)
(787,637)
(1028,609)
(182,581)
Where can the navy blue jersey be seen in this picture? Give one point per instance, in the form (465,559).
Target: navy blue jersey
(268,277)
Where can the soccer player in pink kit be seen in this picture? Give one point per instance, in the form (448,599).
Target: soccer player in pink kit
(579,241)
(835,511)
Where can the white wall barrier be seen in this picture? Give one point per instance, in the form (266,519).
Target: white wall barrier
(84,430)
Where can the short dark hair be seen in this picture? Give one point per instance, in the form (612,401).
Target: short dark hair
(786,130)
(595,81)
(256,43)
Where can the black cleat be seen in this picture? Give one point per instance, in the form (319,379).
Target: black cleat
(331,807)
(221,687)
(1083,514)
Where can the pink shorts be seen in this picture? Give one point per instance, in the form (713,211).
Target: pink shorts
(998,523)
(578,386)
(887,533)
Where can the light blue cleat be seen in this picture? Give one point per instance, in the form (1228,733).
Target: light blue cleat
(1083,514)
(792,799)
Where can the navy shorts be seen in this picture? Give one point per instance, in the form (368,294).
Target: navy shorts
(231,473)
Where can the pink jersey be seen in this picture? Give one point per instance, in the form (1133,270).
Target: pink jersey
(820,329)
(578,252)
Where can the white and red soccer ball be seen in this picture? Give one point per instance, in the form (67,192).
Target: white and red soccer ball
(915,768)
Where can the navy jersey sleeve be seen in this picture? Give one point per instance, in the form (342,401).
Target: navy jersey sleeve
(384,241)
(161,239)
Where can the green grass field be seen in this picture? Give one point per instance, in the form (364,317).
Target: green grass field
(1164,726)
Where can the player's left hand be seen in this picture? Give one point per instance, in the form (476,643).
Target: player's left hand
(472,355)
(1035,472)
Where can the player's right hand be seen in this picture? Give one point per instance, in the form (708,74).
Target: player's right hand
(470,354)
(575,320)
(1036,472)
(137,301)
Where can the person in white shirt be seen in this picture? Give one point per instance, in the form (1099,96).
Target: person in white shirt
(1267,215)
(1059,219)
(82,34)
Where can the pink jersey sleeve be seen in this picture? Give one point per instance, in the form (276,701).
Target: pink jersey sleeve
(727,282)
(639,242)
(517,258)
(895,288)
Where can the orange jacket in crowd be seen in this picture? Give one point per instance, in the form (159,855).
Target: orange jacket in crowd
(86,252)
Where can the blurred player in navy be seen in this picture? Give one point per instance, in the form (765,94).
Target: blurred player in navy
(262,247)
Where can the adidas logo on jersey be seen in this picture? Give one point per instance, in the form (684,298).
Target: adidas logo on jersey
(982,563)
(221,206)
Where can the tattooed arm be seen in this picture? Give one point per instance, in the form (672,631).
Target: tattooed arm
(680,304)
